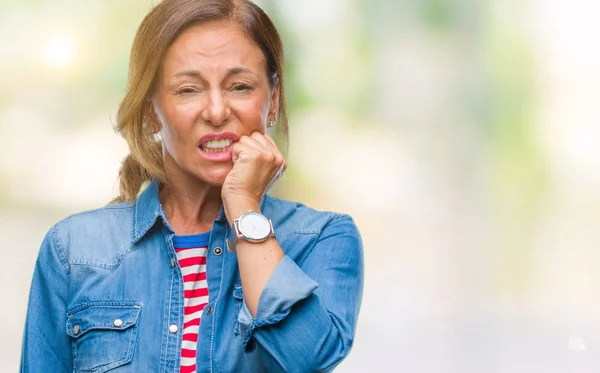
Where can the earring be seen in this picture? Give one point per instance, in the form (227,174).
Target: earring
(271,123)
(150,130)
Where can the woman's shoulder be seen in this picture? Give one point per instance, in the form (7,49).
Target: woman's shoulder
(81,235)
(103,217)
(297,218)
(302,231)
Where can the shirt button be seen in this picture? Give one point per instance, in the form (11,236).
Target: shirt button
(218,251)
(173,328)
(76,329)
(172,262)
(209,310)
(118,323)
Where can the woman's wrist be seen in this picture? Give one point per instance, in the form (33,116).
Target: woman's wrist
(236,206)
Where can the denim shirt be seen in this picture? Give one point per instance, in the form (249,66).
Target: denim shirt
(107,295)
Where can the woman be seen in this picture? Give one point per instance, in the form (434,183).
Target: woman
(202,271)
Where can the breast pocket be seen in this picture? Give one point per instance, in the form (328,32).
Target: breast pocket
(104,335)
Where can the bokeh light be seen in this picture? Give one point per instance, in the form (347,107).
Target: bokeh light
(60,51)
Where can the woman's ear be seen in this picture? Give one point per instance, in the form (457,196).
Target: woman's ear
(152,123)
(274,102)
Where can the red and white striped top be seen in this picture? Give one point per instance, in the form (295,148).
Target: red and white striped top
(191,254)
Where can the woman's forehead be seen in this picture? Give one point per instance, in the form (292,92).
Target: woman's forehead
(217,45)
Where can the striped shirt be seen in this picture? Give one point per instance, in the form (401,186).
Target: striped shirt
(191,254)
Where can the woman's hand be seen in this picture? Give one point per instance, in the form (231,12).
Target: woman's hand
(257,163)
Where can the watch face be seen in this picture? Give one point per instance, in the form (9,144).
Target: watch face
(254,226)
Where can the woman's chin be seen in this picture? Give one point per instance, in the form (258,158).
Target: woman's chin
(214,177)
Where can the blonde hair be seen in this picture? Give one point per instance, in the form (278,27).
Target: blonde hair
(156,33)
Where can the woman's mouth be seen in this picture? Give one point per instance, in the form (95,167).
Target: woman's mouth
(216,146)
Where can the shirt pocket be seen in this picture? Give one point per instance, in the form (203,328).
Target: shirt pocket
(104,335)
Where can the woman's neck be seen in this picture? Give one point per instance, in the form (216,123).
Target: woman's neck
(190,206)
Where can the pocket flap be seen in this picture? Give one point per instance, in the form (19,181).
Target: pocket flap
(108,317)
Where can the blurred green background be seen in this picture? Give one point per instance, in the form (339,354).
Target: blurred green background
(463,136)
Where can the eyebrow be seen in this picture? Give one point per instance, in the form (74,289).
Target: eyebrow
(198,74)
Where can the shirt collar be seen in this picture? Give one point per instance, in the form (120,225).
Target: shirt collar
(147,210)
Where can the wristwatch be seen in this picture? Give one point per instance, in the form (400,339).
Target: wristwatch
(253,227)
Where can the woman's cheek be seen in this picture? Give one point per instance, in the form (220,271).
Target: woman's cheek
(252,115)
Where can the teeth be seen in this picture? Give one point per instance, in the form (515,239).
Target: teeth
(217,144)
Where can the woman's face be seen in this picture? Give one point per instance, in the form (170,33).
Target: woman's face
(211,90)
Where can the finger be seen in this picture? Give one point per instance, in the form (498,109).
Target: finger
(266,152)
(268,145)
(281,158)
(260,138)
(253,142)
(271,143)
(236,148)
(268,142)
(242,150)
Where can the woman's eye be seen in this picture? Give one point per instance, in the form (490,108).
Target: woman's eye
(185,90)
(241,87)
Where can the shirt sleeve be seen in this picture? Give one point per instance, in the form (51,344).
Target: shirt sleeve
(46,346)
(306,315)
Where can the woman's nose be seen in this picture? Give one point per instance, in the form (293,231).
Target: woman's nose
(216,110)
